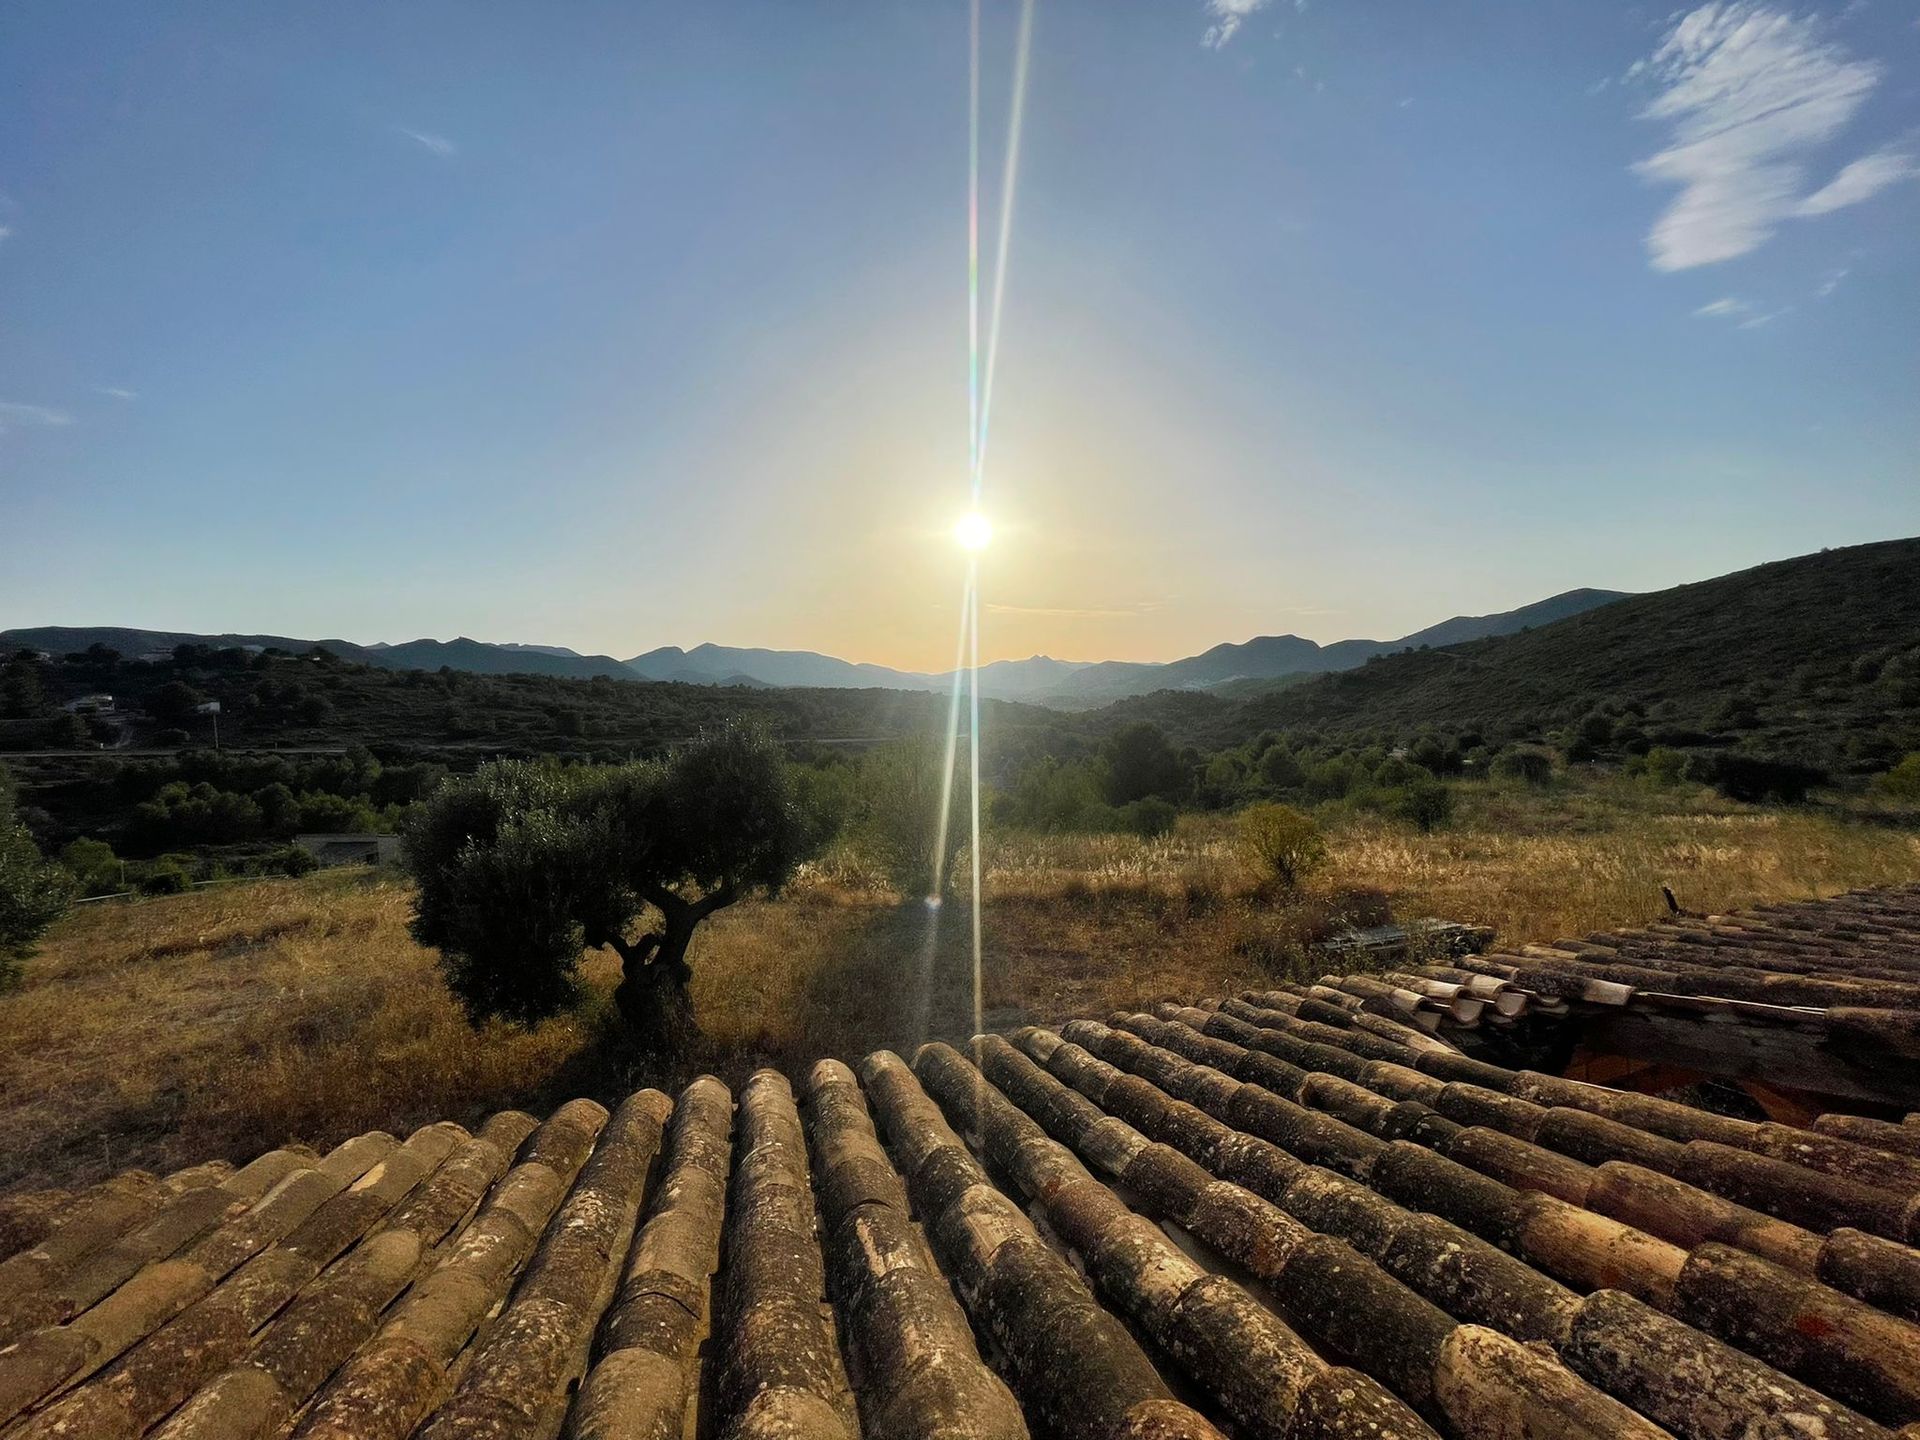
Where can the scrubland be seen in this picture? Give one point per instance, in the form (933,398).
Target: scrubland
(222,1022)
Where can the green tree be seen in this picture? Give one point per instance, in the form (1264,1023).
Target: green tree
(898,826)
(525,863)
(34,892)
(1279,768)
(1281,842)
(1141,762)
(1427,802)
(21,694)
(173,703)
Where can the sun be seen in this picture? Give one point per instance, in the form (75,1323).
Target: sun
(973,532)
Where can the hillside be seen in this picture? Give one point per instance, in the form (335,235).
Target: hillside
(1822,643)
(1039,679)
(473,656)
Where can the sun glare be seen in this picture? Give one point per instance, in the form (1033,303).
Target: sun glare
(973,531)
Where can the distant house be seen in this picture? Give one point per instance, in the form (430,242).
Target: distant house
(350,849)
(90,705)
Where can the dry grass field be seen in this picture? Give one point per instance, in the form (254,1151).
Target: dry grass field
(225,1021)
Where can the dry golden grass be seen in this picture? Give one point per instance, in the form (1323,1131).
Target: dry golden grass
(223,1022)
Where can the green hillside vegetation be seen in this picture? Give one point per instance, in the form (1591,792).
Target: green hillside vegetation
(1815,659)
(1802,643)
(1771,686)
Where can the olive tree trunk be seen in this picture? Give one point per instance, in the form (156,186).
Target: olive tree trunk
(653,995)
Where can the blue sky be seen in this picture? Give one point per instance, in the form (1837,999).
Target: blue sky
(624,325)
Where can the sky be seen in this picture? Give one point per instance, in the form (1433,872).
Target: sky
(623,325)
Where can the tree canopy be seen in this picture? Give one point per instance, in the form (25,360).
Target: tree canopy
(526,863)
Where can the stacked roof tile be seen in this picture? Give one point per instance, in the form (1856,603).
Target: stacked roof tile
(1825,993)
(1254,1217)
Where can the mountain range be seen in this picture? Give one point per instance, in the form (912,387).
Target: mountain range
(1063,684)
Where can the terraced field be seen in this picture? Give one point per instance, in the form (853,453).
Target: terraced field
(1221,1220)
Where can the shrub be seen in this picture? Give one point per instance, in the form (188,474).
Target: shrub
(165,876)
(1597,729)
(1281,842)
(1526,763)
(1902,782)
(1427,803)
(1149,818)
(901,788)
(93,866)
(34,892)
(1665,765)
(1753,778)
(293,860)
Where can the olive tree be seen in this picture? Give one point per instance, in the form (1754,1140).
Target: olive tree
(526,863)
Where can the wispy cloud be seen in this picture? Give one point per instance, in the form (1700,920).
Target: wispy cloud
(1750,92)
(14,414)
(119,392)
(1861,180)
(436,144)
(1745,313)
(6,232)
(1228,16)
(1830,281)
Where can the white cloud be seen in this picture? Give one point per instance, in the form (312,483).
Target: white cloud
(119,392)
(1830,281)
(1750,93)
(1228,16)
(1862,180)
(437,144)
(1745,313)
(1727,307)
(14,413)
(6,232)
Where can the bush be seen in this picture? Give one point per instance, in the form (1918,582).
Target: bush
(33,891)
(1150,818)
(1526,763)
(165,876)
(1902,782)
(1427,803)
(1665,765)
(1752,778)
(1281,842)
(93,865)
(898,827)
(293,860)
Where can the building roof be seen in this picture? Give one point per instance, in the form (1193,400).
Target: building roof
(1209,1220)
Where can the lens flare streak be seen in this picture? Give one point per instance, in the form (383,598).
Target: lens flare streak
(974,531)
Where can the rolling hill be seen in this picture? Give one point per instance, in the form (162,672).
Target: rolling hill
(1040,679)
(474,656)
(1809,642)
(1076,685)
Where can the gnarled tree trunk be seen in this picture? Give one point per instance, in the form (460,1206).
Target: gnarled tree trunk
(653,995)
